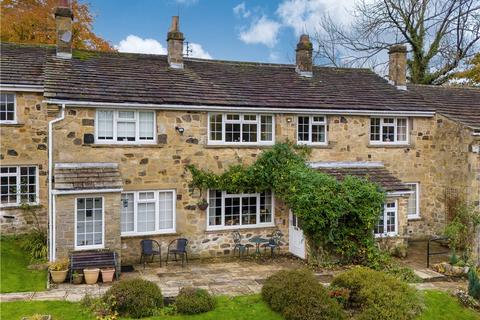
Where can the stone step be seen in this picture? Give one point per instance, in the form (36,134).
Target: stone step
(428,275)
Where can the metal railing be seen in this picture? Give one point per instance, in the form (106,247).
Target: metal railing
(437,240)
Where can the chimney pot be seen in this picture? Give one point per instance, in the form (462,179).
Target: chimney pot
(397,66)
(304,62)
(175,44)
(63,26)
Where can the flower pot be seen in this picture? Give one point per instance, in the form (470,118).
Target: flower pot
(203,206)
(58,276)
(91,275)
(77,278)
(107,274)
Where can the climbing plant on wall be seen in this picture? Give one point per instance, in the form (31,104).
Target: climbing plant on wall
(337,217)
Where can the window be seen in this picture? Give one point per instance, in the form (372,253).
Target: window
(89,223)
(119,126)
(234,128)
(414,201)
(18,185)
(148,212)
(388,130)
(7,108)
(312,130)
(228,210)
(387,223)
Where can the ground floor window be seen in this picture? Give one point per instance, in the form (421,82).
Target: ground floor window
(19,184)
(148,212)
(89,223)
(414,201)
(387,223)
(228,210)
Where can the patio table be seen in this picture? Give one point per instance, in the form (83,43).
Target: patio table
(258,241)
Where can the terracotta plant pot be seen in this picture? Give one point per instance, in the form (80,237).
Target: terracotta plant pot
(91,275)
(58,276)
(77,278)
(107,274)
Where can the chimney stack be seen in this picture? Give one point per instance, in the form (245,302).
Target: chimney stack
(397,66)
(175,45)
(304,56)
(63,25)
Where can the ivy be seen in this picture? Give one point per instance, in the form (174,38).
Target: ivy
(337,217)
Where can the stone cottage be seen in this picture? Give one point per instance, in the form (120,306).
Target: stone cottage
(100,142)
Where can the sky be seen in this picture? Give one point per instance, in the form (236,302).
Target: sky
(249,30)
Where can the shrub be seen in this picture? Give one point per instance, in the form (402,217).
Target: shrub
(35,243)
(298,295)
(58,265)
(135,298)
(376,295)
(461,228)
(473,284)
(194,300)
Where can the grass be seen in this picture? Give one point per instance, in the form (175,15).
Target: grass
(440,306)
(14,275)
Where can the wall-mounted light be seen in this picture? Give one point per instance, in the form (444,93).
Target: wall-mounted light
(180,130)
(289,120)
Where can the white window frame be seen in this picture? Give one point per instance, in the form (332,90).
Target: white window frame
(157,213)
(241,122)
(417,200)
(18,176)
(14,121)
(137,127)
(240,226)
(311,122)
(395,126)
(95,246)
(385,210)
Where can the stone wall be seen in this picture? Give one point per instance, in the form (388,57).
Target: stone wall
(25,143)
(65,222)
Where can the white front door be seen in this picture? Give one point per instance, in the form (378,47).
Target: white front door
(295,237)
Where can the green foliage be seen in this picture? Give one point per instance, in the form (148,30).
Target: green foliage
(102,308)
(35,243)
(473,284)
(337,216)
(298,295)
(453,259)
(462,229)
(135,298)
(194,300)
(376,295)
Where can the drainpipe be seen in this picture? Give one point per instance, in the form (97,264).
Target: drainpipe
(51,198)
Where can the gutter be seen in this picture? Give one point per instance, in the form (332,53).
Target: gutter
(51,196)
(86,191)
(92,104)
(21,87)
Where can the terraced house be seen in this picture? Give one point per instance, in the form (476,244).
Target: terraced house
(101,140)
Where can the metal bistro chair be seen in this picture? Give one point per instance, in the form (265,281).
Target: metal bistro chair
(237,241)
(274,242)
(179,247)
(148,249)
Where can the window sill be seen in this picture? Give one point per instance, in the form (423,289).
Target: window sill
(114,145)
(18,206)
(235,228)
(416,218)
(388,235)
(12,124)
(148,234)
(239,146)
(86,248)
(386,145)
(315,146)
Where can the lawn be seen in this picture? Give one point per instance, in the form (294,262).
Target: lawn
(440,306)
(14,275)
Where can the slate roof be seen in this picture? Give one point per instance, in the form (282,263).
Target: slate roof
(459,103)
(84,176)
(373,171)
(141,78)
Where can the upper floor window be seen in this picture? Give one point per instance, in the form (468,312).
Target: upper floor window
(312,130)
(125,126)
(235,128)
(18,185)
(7,108)
(387,222)
(414,201)
(389,130)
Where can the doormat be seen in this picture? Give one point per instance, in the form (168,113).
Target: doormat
(127,269)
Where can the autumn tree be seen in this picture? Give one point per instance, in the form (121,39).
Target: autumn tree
(440,35)
(33,21)
(472,72)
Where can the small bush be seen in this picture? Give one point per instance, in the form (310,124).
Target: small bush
(135,298)
(298,295)
(35,243)
(376,295)
(58,265)
(473,284)
(194,300)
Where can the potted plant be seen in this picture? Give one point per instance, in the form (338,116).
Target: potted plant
(58,270)
(91,275)
(107,274)
(202,204)
(77,278)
